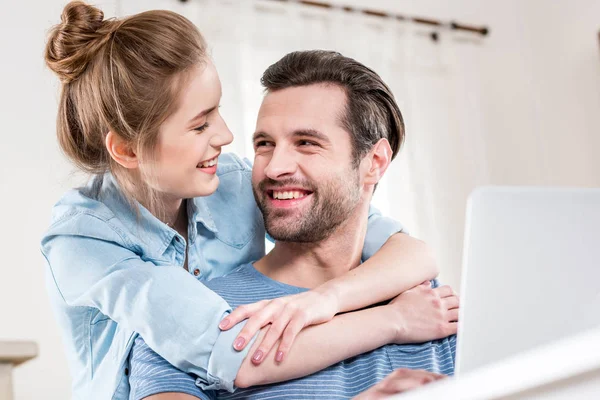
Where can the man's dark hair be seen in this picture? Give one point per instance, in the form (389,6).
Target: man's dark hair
(371,110)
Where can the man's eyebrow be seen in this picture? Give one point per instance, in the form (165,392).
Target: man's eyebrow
(201,115)
(260,135)
(313,133)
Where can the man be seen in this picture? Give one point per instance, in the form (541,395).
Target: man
(326,132)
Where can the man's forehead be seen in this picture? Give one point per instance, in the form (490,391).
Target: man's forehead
(320,96)
(303,107)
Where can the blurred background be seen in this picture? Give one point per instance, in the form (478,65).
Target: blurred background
(519,106)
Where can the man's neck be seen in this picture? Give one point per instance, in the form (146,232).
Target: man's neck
(309,265)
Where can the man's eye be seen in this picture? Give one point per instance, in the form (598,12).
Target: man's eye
(201,128)
(307,143)
(262,143)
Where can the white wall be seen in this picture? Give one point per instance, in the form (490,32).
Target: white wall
(542,83)
(542,96)
(540,91)
(33,174)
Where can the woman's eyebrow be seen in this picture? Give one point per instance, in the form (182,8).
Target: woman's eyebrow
(202,114)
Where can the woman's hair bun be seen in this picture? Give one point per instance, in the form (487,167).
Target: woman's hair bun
(74,42)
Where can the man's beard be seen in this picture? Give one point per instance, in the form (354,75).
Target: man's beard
(332,203)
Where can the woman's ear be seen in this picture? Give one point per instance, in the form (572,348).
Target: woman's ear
(379,159)
(121,151)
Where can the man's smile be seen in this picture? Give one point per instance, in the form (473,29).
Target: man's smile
(287,197)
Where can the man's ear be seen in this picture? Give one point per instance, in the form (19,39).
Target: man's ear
(121,151)
(378,160)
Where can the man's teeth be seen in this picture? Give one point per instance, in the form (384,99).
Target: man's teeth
(208,163)
(288,195)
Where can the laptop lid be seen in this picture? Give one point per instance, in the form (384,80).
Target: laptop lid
(531,270)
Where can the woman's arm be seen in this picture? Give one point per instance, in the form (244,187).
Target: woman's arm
(393,262)
(417,315)
(402,262)
(316,347)
(319,346)
(328,343)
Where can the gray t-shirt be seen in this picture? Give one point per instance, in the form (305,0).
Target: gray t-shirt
(151,374)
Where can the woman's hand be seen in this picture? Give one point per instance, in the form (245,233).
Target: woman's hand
(399,381)
(287,316)
(423,314)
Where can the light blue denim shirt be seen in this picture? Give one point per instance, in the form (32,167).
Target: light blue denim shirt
(113,274)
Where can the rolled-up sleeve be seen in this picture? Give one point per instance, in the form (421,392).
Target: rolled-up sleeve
(379,230)
(225,361)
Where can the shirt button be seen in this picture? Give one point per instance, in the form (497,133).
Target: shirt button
(177,239)
(126,371)
(196,272)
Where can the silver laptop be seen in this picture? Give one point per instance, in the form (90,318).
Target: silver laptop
(531,270)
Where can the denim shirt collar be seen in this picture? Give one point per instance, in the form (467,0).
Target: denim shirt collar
(200,212)
(155,235)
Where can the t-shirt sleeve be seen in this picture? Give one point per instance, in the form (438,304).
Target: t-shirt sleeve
(379,230)
(151,374)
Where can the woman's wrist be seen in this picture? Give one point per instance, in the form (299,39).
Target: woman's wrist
(331,293)
(391,322)
(386,322)
(396,322)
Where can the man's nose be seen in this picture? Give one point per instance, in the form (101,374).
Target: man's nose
(282,163)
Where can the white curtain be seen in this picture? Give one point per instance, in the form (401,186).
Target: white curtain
(436,85)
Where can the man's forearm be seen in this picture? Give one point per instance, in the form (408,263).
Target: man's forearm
(320,346)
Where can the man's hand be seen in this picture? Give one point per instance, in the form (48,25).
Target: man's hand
(399,381)
(425,314)
(287,316)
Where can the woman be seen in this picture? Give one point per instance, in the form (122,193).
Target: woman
(139,111)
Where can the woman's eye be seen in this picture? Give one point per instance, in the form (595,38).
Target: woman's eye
(201,128)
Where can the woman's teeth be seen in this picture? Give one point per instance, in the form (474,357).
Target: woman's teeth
(288,195)
(208,163)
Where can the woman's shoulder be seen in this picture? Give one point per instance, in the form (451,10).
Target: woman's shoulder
(232,163)
(87,212)
(232,207)
(82,201)
(235,175)
(235,186)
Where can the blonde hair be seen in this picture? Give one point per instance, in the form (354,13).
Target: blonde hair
(119,75)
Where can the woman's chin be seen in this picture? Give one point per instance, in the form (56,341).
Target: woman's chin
(207,187)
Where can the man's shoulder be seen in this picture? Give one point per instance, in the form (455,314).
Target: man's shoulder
(244,285)
(237,276)
(233,286)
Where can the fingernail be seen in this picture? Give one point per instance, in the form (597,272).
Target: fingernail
(257,356)
(239,343)
(224,324)
(279,356)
